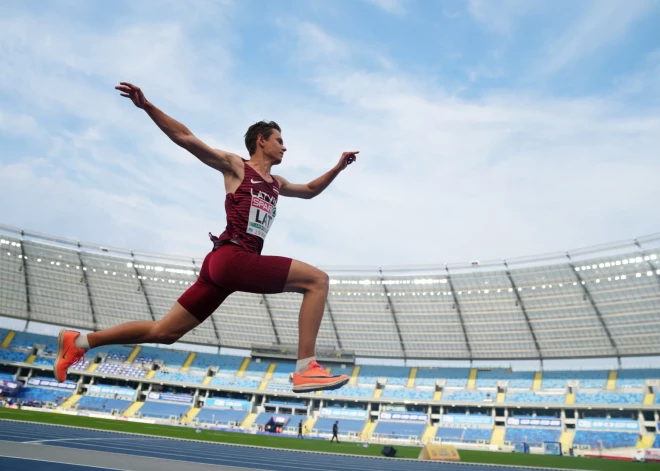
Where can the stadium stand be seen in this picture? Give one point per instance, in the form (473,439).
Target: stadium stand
(449,434)
(170,358)
(532,397)
(588,379)
(609,398)
(407,393)
(635,379)
(351,391)
(102,404)
(399,429)
(163,410)
(257,369)
(118,369)
(221,416)
(26,341)
(532,436)
(11,355)
(604,439)
(467,396)
(283,370)
(395,375)
(476,435)
(42,395)
(454,377)
(346,426)
(179,377)
(118,353)
(234,382)
(656,442)
(517,380)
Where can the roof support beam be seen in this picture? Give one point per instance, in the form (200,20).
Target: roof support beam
(142,288)
(390,306)
(521,304)
(89,293)
(590,298)
(215,327)
(457,305)
(270,316)
(25,277)
(332,320)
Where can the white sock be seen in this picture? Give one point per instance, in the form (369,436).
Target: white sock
(82,342)
(302,365)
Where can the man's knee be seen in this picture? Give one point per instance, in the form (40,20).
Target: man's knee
(160,334)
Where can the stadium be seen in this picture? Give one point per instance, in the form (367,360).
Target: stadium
(555,354)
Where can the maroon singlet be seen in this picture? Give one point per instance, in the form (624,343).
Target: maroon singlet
(250,212)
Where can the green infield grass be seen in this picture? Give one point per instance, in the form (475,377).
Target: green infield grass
(292,443)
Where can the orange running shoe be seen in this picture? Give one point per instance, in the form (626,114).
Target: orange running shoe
(67,353)
(317,379)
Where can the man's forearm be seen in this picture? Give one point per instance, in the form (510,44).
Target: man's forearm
(170,126)
(321,183)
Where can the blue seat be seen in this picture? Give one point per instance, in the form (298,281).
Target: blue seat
(171,358)
(407,393)
(400,429)
(57,396)
(454,377)
(516,379)
(163,410)
(324,425)
(605,439)
(609,398)
(351,391)
(465,396)
(221,416)
(102,404)
(11,355)
(180,377)
(635,379)
(257,370)
(283,370)
(396,375)
(532,436)
(592,379)
(532,397)
(475,435)
(26,340)
(235,382)
(449,433)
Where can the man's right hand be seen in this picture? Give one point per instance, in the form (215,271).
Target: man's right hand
(134,93)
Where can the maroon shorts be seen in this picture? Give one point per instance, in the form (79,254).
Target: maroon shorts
(231,268)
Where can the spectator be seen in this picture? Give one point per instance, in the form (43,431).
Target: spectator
(335,431)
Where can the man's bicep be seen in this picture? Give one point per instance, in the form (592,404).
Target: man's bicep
(294,190)
(225,162)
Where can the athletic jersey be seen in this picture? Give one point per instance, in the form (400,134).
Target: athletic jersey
(250,212)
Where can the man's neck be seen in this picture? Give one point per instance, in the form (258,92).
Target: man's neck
(261,164)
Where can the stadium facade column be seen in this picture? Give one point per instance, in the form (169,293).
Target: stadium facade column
(590,298)
(332,321)
(144,291)
(89,293)
(25,276)
(272,321)
(391,308)
(459,312)
(521,305)
(215,327)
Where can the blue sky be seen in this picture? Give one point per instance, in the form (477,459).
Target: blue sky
(487,129)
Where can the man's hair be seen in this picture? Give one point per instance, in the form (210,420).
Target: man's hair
(264,128)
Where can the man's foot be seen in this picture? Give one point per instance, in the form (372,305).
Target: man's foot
(317,379)
(67,353)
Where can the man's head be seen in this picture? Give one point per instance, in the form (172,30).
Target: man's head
(265,137)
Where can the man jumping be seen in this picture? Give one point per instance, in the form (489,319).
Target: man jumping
(235,263)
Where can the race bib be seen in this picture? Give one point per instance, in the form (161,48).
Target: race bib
(261,217)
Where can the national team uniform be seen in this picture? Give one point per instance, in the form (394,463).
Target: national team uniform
(236,263)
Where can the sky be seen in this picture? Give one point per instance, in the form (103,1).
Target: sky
(486,129)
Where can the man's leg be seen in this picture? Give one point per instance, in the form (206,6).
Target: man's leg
(313,284)
(167,330)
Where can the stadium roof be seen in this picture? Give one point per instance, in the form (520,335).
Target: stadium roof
(594,302)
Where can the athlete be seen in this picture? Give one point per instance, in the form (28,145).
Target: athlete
(235,263)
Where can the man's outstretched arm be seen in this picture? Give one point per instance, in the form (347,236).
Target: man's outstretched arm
(314,188)
(225,162)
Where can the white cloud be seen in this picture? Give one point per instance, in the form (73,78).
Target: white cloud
(501,16)
(602,22)
(438,178)
(395,7)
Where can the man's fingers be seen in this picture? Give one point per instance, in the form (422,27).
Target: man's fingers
(130,85)
(123,89)
(125,94)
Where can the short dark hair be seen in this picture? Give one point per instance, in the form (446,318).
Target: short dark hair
(263,128)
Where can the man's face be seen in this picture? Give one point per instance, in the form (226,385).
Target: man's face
(274,146)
